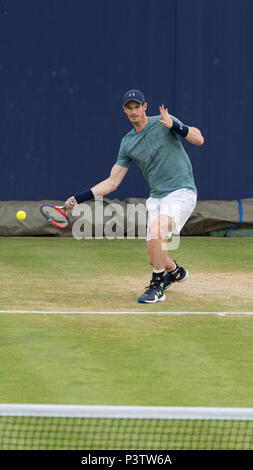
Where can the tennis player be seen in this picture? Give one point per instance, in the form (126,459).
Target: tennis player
(155,145)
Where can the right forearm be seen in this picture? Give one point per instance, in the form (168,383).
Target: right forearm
(104,187)
(101,189)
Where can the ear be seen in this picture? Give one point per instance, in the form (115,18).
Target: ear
(145,105)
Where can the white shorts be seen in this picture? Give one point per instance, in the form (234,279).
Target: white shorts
(178,205)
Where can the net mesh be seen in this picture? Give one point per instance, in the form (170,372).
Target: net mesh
(98,433)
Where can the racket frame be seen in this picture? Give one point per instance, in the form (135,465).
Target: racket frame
(60,209)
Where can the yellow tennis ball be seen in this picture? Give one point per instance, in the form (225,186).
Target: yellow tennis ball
(21,215)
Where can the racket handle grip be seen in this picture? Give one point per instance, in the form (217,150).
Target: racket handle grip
(72,203)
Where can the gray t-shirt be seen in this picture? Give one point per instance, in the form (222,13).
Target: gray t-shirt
(161,156)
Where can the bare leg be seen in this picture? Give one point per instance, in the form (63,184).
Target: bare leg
(170,264)
(156,248)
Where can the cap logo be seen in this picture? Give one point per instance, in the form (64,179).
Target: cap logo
(131,94)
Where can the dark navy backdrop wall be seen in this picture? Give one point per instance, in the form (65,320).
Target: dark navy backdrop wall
(64,65)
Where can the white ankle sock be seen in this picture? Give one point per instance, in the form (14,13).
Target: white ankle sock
(160,271)
(174,269)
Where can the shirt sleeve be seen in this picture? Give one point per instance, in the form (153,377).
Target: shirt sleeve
(123,159)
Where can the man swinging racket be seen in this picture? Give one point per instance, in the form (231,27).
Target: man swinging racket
(155,145)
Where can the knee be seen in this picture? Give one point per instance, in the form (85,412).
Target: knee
(155,230)
(159,232)
(160,228)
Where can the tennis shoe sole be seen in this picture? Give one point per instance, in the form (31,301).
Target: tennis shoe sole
(141,300)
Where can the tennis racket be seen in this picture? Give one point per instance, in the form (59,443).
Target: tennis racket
(56,215)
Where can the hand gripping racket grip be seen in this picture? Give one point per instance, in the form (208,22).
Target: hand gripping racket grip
(72,203)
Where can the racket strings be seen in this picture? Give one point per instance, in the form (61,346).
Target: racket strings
(55,216)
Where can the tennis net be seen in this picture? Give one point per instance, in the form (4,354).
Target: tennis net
(72,427)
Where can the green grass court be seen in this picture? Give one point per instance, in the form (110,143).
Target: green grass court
(168,360)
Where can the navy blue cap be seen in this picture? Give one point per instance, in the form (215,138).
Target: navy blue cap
(133,95)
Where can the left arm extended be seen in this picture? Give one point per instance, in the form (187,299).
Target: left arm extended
(194,135)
